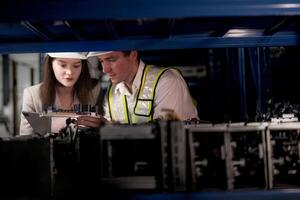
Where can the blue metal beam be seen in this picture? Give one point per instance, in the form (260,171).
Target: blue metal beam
(242,83)
(38,30)
(255,66)
(235,195)
(276,27)
(152,44)
(132,9)
(74,30)
(111,29)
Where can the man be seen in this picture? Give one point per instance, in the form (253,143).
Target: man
(141,93)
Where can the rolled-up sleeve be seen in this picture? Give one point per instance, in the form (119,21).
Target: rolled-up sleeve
(172,93)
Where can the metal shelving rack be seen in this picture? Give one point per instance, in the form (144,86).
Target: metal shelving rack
(41,26)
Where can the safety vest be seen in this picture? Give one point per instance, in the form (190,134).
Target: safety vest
(143,109)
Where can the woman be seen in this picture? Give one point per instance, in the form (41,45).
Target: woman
(66,82)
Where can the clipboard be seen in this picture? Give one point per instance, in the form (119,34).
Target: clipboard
(48,123)
(40,124)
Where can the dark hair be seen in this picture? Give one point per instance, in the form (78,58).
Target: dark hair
(82,87)
(127,53)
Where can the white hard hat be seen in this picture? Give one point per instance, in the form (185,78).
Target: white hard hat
(97,53)
(76,55)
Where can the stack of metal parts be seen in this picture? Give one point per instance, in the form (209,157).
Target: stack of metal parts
(227,156)
(207,157)
(149,157)
(167,156)
(244,156)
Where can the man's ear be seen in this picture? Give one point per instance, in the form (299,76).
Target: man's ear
(134,55)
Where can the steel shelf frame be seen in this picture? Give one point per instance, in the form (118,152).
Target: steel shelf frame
(34,16)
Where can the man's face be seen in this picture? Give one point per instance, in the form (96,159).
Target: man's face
(117,65)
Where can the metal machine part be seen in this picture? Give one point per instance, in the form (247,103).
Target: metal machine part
(166,156)
(130,156)
(284,155)
(207,157)
(248,156)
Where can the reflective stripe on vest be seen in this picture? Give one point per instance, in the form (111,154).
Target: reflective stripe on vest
(143,109)
(118,108)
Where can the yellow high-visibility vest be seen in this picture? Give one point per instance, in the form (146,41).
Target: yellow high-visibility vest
(143,109)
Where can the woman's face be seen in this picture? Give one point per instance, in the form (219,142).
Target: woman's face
(67,70)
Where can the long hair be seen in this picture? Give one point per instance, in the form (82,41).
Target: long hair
(82,88)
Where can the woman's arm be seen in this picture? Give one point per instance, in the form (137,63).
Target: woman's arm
(27,105)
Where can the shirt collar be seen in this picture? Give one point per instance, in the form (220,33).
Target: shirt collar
(122,89)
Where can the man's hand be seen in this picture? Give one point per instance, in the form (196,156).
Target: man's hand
(90,121)
(170,114)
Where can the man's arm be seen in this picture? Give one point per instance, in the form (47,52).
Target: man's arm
(172,93)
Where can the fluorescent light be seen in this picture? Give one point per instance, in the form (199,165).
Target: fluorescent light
(243,32)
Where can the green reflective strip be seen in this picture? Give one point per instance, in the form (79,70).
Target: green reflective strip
(110,98)
(143,81)
(135,119)
(125,109)
(153,89)
(155,81)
